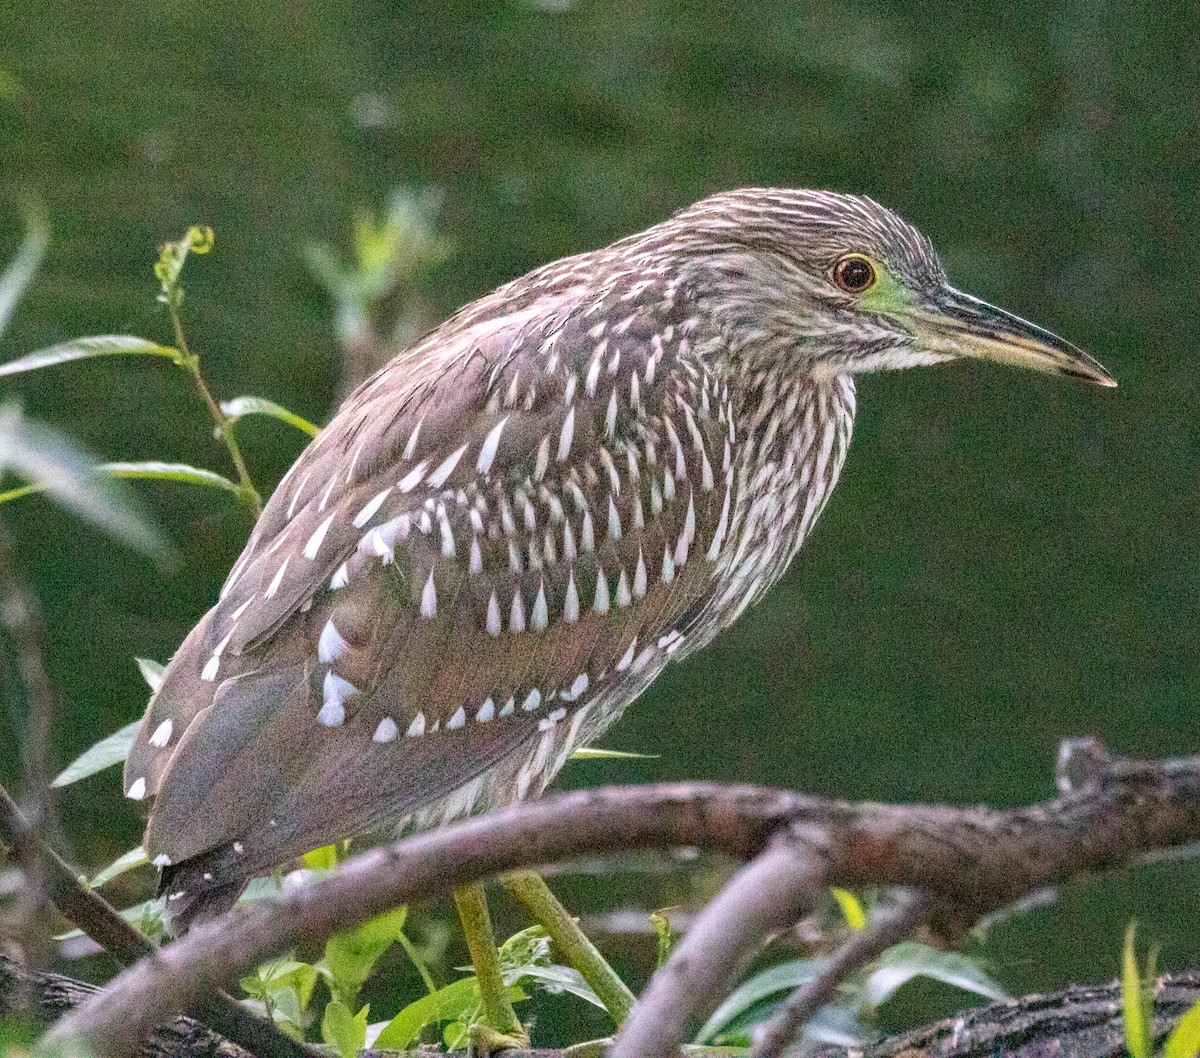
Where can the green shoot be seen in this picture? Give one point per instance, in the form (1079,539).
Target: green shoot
(387,252)
(660,923)
(1184,1040)
(851,908)
(1137,997)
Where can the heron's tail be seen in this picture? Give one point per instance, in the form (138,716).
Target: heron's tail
(199,890)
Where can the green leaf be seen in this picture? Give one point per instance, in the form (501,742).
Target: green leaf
(152,672)
(903,962)
(555,979)
(170,472)
(53,464)
(852,910)
(322,859)
(85,349)
(145,917)
(350,956)
(135,857)
(24,264)
(592,753)
(151,470)
(240,407)
(1184,1041)
(171,258)
(344,1030)
(782,978)
(459,999)
(285,987)
(446,1004)
(104,754)
(1134,1012)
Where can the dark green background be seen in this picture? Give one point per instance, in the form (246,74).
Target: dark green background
(1008,560)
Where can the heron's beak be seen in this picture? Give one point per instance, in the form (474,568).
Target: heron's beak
(965,326)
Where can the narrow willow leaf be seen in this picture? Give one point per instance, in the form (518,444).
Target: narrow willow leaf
(240,407)
(902,962)
(24,264)
(151,470)
(85,349)
(1184,1041)
(1133,1012)
(104,754)
(52,464)
(591,753)
(782,978)
(152,672)
(170,472)
(852,909)
(129,861)
(20,491)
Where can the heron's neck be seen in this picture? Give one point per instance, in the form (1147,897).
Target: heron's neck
(792,433)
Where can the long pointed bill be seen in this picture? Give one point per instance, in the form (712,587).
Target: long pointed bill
(965,326)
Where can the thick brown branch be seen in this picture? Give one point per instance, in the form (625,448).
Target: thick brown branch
(53,995)
(972,859)
(97,918)
(1075,1023)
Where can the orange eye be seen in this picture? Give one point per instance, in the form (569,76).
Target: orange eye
(854,273)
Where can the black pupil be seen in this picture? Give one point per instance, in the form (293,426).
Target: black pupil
(855,274)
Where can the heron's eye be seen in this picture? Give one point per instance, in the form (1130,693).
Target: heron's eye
(854,273)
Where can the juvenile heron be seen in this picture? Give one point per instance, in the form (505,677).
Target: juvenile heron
(506,534)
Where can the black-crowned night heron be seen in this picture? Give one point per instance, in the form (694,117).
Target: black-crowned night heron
(503,537)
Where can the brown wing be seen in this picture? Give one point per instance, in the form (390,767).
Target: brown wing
(487,553)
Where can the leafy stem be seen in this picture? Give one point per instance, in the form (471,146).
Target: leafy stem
(168,269)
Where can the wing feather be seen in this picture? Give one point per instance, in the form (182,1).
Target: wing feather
(466,557)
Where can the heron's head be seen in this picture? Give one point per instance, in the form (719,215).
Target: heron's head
(840,284)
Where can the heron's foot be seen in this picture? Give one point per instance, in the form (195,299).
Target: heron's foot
(486,1040)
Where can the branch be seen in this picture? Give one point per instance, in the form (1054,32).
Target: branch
(53,995)
(766,896)
(887,928)
(21,614)
(88,910)
(972,860)
(1080,1022)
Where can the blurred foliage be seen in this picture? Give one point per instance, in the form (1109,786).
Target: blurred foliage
(1007,560)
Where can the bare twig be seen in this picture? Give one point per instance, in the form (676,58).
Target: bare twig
(971,859)
(21,615)
(100,921)
(767,895)
(887,928)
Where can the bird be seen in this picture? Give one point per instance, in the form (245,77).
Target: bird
(505,535)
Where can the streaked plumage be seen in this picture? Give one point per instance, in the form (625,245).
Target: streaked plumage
(503,536)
